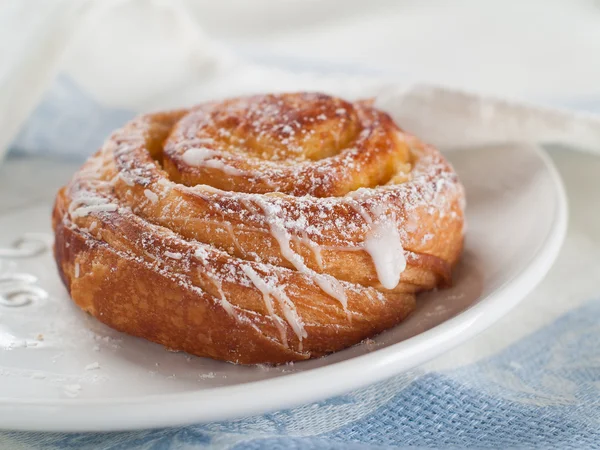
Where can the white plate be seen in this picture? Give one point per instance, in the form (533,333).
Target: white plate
(517,218)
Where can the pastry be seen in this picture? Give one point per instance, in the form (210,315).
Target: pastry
(261,229)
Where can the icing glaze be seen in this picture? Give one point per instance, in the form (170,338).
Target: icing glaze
(327,283)
(270,290)
(384,246)
(196,156)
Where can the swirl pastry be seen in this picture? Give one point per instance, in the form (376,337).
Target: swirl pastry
(261,229)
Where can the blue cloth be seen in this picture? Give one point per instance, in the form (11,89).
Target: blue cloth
(547,396)
(68,123)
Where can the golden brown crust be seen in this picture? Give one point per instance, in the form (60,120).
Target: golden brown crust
(260,229)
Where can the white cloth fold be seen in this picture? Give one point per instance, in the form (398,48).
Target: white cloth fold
(128,54)
(117,58)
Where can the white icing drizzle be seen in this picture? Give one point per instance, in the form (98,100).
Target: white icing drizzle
(84,205)
(327,283)
(384,246)
(233,236)
(151,196)
(287,306)
(76,270)
(173,255)
(220,165)
(202,255)
(227,306)
(266,292)
(196,156)
(362,211)
(202,157)
(315,248)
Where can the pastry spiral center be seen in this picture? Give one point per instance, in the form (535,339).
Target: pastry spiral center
(298,144)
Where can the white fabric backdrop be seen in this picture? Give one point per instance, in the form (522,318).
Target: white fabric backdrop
(536,49)
(138,54)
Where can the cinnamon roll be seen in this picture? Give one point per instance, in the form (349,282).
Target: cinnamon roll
(261,229)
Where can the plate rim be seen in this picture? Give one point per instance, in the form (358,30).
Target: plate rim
(190,407)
